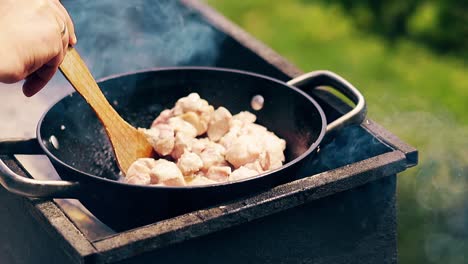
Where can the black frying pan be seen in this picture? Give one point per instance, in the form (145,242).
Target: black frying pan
(70,134)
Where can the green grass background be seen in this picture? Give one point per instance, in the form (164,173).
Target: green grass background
(417,95)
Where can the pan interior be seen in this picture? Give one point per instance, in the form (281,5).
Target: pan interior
(72,134)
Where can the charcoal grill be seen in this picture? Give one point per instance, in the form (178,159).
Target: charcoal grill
(340,207)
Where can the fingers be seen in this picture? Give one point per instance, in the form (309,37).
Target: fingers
(36,81)
(33,84)
(69,23)
(62,23)
(65,37)
(40,77)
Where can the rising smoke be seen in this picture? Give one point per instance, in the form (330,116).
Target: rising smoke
(433,202)
(116,36)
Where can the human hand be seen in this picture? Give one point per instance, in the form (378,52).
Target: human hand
(34,36)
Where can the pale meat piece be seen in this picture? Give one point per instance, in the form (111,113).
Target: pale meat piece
(256,143)
(205,117)
(198,145)
(244,149)
(167,173)
(219,124)
(271,148)
(253,129)
(219,173)
(181,126)
(213,155)
(195,121)
(139,171)
(161,138)
(245,116)
(235,124)
(199,120)
(189,163)
(257,164)
(227,139)
(242,173)
(200,180)
(194,110)
(142,179)
(232,134)
(191,103)
(232,142)
(182,143)
(274,147)
(163,117)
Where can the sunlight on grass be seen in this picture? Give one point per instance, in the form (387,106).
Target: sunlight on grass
(419,96)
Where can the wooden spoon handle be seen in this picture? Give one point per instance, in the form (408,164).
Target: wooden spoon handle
(77,73)
(127,142)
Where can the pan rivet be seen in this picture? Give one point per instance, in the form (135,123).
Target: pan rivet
(53,140)
(257,102)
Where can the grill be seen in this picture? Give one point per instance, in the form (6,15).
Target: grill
(339,208)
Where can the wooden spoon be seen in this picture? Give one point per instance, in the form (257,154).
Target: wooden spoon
(128,143)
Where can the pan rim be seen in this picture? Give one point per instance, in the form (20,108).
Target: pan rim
(312,147)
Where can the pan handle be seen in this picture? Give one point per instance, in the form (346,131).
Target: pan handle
(24,186)
(328,78)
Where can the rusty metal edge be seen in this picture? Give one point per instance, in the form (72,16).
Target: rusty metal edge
(411,153)
(268,54)
(203,222)
(81,248)
(55,222)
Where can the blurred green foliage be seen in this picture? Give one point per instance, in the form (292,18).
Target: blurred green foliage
(417,94)
(439,24)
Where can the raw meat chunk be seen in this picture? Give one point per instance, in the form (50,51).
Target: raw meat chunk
(167,173)
(200,180)
(219,173)
(189,163)
(245,116)
(207,146)
(242,173)
(213,155)
(161,137)
(163,117)
(195,121)
(244,149)
(257,164)
(191,103)
(181,126)
(219,124)
(254,129)
(198,145)
(274,147)
(139,171)
(182,143)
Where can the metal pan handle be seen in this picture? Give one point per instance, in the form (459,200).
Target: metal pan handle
(18,184)
(328,78)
